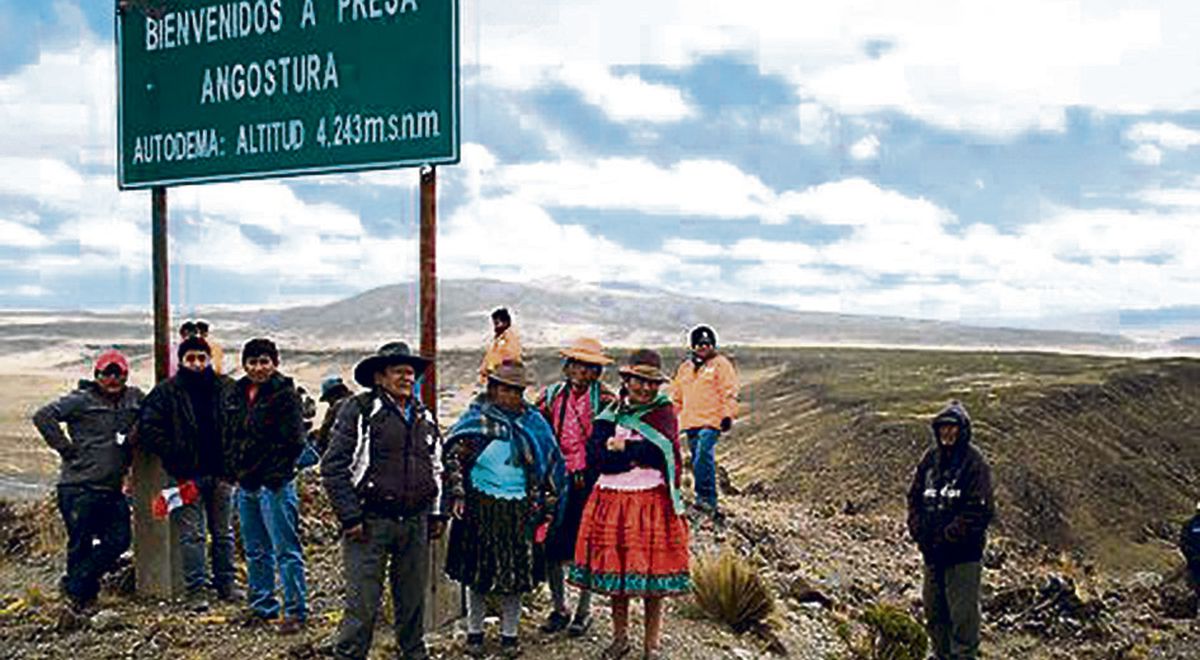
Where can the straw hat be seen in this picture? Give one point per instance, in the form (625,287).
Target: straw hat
(585,349)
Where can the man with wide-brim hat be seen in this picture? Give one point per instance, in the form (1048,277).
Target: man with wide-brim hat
(571,405)
(396,352)
(505,474)
(334,392)
(383,474)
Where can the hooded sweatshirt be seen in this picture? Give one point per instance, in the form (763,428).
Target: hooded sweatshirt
(950,501)
(705,393)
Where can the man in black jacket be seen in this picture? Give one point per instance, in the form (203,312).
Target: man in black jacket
(99,415)
(264,434)
(382,472)
(1189,545)
(181,424)
(950,506)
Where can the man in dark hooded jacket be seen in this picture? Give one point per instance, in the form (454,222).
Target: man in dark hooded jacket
(100,416)
(1189,545)
(950,505)
(181,423)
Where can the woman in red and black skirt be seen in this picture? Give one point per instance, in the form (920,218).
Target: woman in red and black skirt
(633,540)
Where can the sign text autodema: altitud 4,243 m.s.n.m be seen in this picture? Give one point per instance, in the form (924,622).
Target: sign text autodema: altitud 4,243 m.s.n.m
(239,89)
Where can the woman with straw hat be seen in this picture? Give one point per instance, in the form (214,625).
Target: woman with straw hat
(571,405)
(506,473)
(633,539)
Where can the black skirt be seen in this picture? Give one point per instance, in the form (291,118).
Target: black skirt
(560,546)
(491,549)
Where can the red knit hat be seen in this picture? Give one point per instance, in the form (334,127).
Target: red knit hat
(110,357)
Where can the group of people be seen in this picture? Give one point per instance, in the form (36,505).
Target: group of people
(580,487)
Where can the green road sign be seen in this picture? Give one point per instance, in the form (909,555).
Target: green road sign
(214,90)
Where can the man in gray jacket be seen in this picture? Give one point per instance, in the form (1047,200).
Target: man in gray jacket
(382,472)
(99,415)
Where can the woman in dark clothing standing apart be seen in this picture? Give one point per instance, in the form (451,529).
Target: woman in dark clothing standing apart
(633,540)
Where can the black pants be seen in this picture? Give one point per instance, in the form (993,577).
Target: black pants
(97,524)
(404,544)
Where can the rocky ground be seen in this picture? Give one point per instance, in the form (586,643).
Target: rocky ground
(823,567)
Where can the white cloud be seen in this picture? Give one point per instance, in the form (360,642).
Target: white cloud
(865,149)
(796,277)
(707,188)
(15,234)
(511,238)
(1171,197)
(785,252)
(817,124)
(626,97)
(858,202)
(692,249)
(1147,154)
(1164,134)
(991,69)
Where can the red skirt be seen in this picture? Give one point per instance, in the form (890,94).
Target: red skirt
(631,543)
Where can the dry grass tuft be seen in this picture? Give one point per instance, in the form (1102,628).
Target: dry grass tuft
(728,589)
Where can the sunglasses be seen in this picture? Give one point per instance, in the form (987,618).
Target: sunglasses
(112,371)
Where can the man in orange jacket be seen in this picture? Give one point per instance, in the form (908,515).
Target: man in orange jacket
(504,347)
(705,392)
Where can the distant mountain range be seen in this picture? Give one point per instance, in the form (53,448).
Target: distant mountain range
(549,312)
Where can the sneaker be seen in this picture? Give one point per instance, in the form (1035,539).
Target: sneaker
(231,593)
(195,600)
(555,623)
(291,625)
(579,625)
(510,647)
(475,645)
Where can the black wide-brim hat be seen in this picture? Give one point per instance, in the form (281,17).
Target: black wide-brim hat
(396,352)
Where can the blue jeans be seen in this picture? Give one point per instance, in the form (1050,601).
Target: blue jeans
(702,443)
(212,511)
(270,520)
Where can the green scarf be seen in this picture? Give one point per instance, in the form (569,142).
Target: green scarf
(630,416)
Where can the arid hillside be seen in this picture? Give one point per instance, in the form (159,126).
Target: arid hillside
(1093,454)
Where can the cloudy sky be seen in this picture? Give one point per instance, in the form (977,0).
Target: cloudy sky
(1034,162)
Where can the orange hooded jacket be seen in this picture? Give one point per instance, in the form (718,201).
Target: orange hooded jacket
(705,395)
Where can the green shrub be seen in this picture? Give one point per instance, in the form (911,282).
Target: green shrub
(731,591)
(894,634)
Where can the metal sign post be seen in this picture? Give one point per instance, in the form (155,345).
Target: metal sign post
(444,598)
(157,565)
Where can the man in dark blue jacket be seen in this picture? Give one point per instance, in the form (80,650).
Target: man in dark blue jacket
(1189,545)
(181,424)
(100,416)
(264,435)
(950,506)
